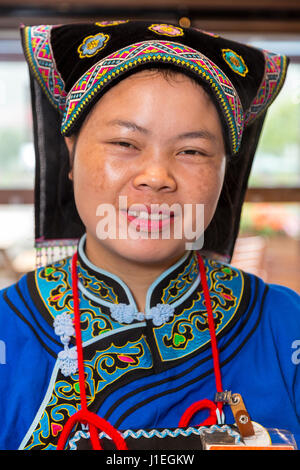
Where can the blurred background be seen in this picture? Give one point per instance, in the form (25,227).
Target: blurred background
(269,239)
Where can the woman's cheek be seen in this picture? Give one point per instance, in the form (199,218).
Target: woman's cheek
(86,192)
(88,174)
(207,192)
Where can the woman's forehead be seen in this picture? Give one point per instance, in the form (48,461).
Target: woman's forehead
(146,92)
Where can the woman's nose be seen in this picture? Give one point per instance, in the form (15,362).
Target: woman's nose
(155,177)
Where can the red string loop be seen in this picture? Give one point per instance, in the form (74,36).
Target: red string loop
(94,421)
(198,406)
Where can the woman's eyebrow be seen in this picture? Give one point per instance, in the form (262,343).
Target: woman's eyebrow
(199,134)
(129,125)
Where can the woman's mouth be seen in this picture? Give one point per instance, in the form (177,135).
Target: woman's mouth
(150,220)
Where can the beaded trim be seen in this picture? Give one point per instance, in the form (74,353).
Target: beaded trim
(142,433)
(49,251)
(106,70)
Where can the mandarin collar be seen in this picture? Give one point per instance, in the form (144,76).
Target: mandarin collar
(169,289)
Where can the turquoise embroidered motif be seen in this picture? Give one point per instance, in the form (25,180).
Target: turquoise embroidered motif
(91,45)
(189,329)
(181,285)
(235,62)
(97,286)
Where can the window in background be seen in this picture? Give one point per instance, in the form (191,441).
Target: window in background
(17,255)
(16,171)
(16,146)
(277,161)
(269,242)
(269,239)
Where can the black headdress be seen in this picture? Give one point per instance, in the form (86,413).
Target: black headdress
(72,66)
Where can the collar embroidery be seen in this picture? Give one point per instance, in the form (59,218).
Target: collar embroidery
(107,304)
(174,304)
(106,289)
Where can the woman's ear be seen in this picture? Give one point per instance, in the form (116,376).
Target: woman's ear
(71,144)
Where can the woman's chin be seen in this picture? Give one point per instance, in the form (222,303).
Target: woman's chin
(149,251)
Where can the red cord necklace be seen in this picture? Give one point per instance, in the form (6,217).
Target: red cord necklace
(94,421)
(207,404)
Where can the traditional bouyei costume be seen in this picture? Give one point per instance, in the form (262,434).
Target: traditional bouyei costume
(76,345)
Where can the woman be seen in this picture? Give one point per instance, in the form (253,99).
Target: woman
(146,123)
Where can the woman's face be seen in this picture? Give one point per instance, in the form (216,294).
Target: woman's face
(148,142)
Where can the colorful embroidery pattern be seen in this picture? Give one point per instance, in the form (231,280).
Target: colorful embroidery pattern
(102,368)
(177,287)
(40,57)
(59,297)
(111,23)
(235,62)
(166,30)
(91,45)
(275,71)
(226,286)
(97,287)
(107,69)
(54,284)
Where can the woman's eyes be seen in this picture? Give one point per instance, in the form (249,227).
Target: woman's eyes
(194,152)
(130,146)
(123,144)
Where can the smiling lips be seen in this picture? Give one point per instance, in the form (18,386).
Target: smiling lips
(147,218)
